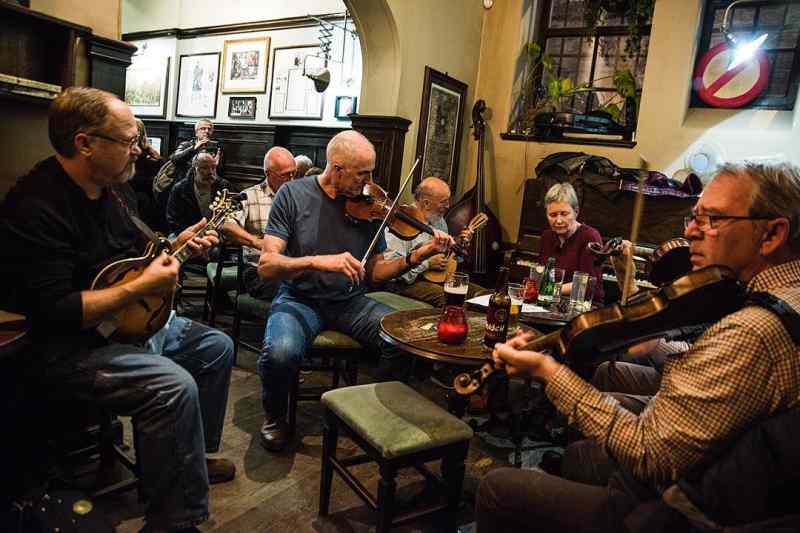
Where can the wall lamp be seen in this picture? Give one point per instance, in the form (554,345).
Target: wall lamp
(742,51)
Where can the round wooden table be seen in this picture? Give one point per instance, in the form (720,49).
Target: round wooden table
(415,332)
(13,334)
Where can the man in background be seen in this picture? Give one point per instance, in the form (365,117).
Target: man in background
(246,227)
(432,197)
(191,197)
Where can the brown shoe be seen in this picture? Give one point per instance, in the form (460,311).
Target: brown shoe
(220,470)
(275,435)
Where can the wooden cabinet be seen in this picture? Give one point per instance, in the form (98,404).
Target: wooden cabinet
(40,55)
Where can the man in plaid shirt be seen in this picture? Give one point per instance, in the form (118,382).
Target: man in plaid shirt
(742,370)
(247,225)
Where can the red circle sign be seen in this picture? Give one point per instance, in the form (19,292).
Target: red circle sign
(720,87)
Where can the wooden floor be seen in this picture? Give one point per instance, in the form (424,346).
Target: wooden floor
(279,492)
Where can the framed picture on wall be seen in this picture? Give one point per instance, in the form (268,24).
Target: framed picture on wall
(344,106)
(198,76)
(441,119)
(155,142)
(242,107)
(244,65)
(292,95)
(146,86)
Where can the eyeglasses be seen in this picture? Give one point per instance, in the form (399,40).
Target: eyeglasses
(284,176)
(707,222)
(130,143)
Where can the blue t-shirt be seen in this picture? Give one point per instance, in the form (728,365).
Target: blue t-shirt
(312,223)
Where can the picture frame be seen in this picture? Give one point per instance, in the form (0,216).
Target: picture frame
(441,124)
(156,141)
(198,77)
(344,106)
(292,95)
(242,107)
(147,87)
(244,65)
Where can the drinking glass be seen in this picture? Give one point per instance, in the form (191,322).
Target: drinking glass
(456,287)
(557,276)
(588,296)
(453,327)
(531,283)
(516,292)
(578,292)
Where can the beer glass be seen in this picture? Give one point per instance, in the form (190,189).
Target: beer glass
(588,296)
(456,287)
(453,327)
(517,294)
(578,293)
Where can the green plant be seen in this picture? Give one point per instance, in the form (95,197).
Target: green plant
(637,12)
(543,90)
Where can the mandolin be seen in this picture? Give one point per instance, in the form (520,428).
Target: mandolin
(438,276)
(593,336)
(139,320)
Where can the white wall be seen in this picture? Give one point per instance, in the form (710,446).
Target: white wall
(174,48)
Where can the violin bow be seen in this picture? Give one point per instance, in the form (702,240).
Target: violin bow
(638,207)
(389,214)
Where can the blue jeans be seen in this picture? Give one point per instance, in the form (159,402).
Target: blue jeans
(176,392)
(291,327)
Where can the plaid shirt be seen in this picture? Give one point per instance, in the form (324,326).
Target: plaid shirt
(254,214)
(741,370)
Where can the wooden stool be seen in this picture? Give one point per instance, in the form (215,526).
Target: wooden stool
(397,428)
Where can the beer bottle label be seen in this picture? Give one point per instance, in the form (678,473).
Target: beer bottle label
(497,323)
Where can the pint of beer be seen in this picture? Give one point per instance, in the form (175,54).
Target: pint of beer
(456,287)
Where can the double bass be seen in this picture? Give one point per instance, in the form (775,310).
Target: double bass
(484,256)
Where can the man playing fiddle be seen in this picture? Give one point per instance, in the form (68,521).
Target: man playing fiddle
(314,248)
(432,197)
(739,372)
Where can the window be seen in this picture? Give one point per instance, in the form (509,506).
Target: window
(585,55)
(781,21)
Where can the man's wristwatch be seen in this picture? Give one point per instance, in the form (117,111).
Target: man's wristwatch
(409,262)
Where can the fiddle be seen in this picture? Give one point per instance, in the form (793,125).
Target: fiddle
(405,221)
(592,336)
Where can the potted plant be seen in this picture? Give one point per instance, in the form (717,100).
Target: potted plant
(638,14)
(545,95)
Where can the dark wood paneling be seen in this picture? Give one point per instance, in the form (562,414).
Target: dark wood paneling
(109,60)
(388,134)
(306,140)
(244,145)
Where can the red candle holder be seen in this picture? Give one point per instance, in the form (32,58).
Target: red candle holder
(452,327)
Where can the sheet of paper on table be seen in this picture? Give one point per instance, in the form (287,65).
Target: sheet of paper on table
(483,301)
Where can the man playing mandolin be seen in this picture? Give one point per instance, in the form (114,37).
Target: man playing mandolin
(742,370)
(432,197)
(312,245)
(60,225)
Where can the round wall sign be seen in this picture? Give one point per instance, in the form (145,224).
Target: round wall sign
(720,87)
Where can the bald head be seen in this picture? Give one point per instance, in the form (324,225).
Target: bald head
(351,160)
(347,146)
(279,167)
(433,197)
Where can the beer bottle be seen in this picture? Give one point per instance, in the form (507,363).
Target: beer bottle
(497,314)
(547,287)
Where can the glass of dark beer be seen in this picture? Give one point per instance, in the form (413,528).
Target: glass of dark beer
(456,287)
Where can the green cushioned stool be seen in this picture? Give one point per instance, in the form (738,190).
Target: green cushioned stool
(397,428)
